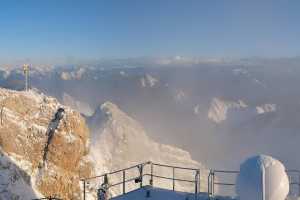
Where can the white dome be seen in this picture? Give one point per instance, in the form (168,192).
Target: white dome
(262,178)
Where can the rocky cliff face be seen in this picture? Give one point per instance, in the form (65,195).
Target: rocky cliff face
(25,117)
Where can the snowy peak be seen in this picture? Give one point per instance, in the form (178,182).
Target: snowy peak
(121,141)
(148,81)
(236,113)
(219,109)
(266,108)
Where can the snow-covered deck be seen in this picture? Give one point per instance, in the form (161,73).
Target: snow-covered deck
(163,194)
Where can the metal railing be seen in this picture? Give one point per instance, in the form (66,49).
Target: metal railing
(212,180)
(293,175)
(294,180)
(139,179)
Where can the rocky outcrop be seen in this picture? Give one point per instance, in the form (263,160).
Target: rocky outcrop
(25,117)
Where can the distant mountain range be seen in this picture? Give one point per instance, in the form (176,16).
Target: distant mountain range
(201,105)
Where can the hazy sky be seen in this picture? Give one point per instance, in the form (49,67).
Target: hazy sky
(132,28)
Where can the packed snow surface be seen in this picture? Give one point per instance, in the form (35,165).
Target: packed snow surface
(163,194)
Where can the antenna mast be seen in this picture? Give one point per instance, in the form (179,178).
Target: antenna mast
(26,73)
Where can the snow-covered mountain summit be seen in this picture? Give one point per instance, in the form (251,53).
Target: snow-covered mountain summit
(120,141)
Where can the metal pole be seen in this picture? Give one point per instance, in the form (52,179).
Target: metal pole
(299,184)
(26,75)
(173,178)
(151,179)
(213,183)
(141,175)
(124,179)
(196,181)
(199,180)
(83,189)
(208,185)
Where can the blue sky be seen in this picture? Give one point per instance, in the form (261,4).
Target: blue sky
(39,29)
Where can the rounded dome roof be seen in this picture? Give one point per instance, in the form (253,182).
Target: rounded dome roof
(262,178)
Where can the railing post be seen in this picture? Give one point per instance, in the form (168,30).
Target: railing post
(173,170)
(199,183)
(213,183)
(196,181)
(210,183)
(124,179)
(83,189)
(151,179)
(141,174)
(298,184)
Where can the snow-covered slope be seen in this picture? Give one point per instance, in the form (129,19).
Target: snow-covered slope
(120,141)
(14,182)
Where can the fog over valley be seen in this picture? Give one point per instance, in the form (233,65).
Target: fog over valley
(221,111)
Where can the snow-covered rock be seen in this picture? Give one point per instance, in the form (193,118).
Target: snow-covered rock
(219,109)
(120,141)
(15,183)
(25,117)
(73,75)
(180,96)
(265,108)
(149,81)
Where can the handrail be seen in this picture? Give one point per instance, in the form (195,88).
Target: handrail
(212,183)
(152,175)
(139,178)
(176,167)
(114,172)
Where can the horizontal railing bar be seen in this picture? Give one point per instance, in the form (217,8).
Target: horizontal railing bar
(293,171)
(119,183)
(226,171)
(220,183)
(175,179)
(114,172)
(176,167)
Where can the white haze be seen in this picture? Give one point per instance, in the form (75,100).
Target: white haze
(166,107)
